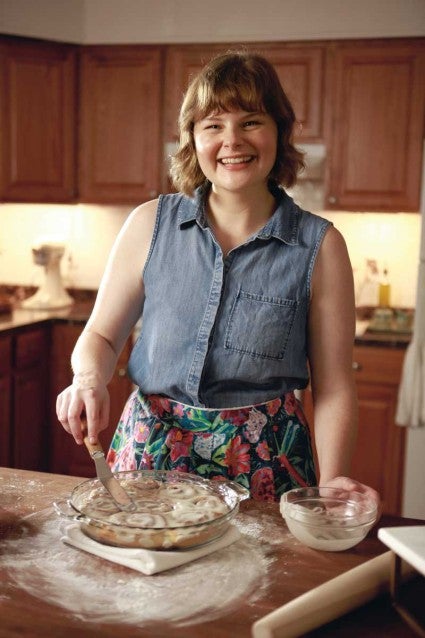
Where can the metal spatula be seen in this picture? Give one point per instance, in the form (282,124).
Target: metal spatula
(106,477)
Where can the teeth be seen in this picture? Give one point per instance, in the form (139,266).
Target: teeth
(236,160)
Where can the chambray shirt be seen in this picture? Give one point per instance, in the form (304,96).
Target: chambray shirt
(225,331)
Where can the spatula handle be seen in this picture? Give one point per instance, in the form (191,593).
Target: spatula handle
(92,447)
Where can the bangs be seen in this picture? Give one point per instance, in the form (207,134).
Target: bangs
(215,96)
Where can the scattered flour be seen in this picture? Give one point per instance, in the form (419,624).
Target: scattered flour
(94,590)
(14,490)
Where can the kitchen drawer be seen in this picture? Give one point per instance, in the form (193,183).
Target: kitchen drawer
(30,348)
(5,354)
(378,365)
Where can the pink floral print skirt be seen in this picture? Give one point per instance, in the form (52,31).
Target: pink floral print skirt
(265,447)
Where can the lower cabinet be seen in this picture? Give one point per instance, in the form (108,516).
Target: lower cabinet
(6,401)
(379,455)
(65,456)
(23,389)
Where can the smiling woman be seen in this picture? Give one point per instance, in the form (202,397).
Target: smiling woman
(241,293)
(236,82)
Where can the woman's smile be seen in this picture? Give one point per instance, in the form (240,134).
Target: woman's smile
(236,160)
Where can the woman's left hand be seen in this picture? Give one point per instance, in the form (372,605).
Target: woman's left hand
(350,485)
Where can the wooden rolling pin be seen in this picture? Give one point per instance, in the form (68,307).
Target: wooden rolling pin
(331,600)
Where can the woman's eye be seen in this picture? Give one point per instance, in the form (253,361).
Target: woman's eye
(251,123)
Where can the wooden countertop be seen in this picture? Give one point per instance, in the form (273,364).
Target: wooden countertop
(48,589)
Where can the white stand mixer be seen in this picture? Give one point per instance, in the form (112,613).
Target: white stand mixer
(51,293)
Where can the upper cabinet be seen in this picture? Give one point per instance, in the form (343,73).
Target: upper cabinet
(301,70)
(376,127)
(362,100)
(37,121)
(120,139)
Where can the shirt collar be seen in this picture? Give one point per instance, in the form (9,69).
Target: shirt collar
(283,224)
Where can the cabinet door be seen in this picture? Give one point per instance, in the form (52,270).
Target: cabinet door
(120,137)
(30,419)
(5,400)
(378,458)
(37,121)
(377,128)
(5,421)
(65,457)
(30,383)
(300,70)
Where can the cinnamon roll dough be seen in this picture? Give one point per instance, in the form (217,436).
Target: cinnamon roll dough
(158,505)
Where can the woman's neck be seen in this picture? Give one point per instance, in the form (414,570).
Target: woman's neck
(234,217)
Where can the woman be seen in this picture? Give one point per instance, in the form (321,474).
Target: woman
(242,294)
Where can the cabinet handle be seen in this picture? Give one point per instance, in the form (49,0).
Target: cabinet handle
(332,199)
(122,372)
(357,365)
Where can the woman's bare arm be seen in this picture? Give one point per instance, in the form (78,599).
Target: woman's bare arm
(118,306)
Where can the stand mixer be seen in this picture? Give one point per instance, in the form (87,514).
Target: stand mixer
(51,293)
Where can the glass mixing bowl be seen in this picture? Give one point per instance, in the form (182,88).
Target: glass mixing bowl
(328,518)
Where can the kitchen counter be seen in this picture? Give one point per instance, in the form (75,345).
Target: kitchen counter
(79,312)
(48,589)
(383,339)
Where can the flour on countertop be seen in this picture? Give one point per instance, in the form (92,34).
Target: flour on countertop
(94,590)
(15,487)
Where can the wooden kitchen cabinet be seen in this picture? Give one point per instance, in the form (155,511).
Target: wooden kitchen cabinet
(5,401)
(29,399)
(377,125)
(120,137)
(23,391)
(37,121)
(65,457)
(379,455)
(364,100)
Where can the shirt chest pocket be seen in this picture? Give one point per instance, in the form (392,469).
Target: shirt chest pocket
(260,326)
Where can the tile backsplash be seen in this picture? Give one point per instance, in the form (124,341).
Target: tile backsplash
(391,239)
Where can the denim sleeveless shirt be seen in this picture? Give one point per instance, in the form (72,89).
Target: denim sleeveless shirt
(225,331)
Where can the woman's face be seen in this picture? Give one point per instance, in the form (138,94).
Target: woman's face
(236,149)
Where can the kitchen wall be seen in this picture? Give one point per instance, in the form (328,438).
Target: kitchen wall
(132,21)
(89,231)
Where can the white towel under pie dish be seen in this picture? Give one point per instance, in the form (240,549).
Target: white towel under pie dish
(146,561)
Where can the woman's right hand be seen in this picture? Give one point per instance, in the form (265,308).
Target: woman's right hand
(76,402)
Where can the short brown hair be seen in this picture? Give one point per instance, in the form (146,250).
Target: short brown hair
(235,80)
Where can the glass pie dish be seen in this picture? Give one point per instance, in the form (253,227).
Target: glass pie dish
(174,510)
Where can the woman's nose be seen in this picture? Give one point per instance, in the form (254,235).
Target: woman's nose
(232,136)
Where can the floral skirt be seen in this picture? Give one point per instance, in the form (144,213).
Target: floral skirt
(265,447)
